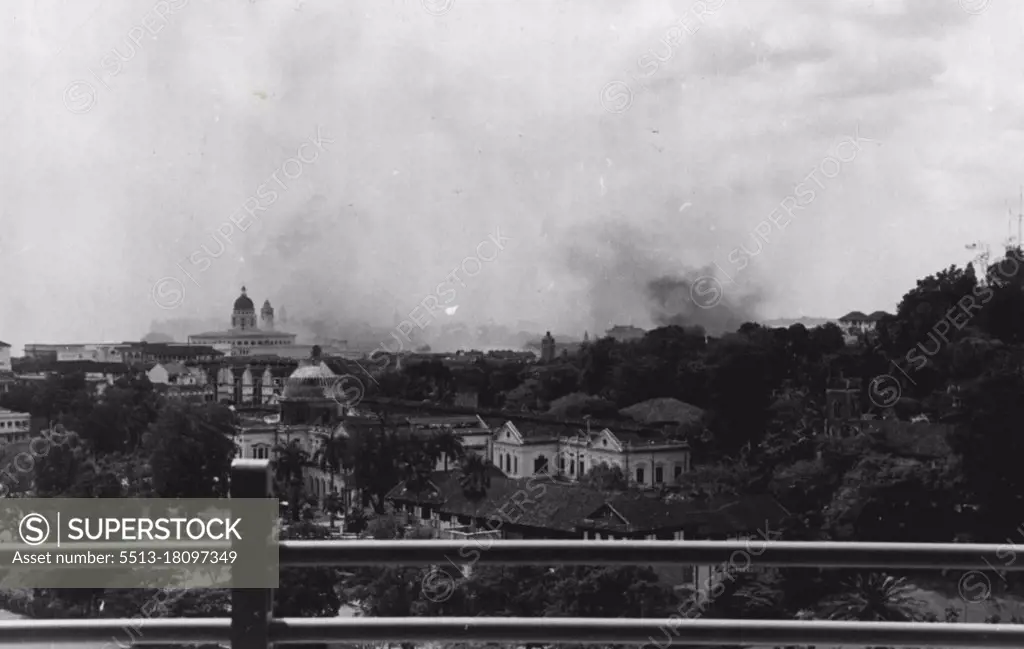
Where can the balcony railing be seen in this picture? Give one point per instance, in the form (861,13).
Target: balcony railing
(252,626)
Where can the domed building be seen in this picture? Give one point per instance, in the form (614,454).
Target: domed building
(245,335)
(308,397)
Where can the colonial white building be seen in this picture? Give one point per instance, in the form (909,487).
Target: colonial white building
(244,336)
(646,458)
(14,426)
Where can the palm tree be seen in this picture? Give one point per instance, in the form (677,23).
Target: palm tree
(289,461)
(446,444)
(474,476)
(875,598)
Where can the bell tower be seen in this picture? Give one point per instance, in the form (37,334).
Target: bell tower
(267,316)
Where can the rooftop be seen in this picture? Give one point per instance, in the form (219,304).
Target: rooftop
(242,333)
(568,506)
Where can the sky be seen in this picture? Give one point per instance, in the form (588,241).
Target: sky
(609,147)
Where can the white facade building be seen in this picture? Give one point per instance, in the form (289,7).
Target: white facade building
(646,459)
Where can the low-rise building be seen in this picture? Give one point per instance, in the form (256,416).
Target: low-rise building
(5,357)
(855,325)
(14,426)
(470,430)
(648,458)
(543,508)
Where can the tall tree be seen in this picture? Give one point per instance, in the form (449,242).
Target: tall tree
(190,449)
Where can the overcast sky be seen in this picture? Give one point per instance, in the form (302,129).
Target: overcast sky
(442,123)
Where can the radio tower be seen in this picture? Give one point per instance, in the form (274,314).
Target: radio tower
(1020,218)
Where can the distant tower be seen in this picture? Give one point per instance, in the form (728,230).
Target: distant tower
(267,315)
(243,315)
(547,349)
(586,337)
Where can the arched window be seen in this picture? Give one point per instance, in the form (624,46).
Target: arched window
(516,465)
(540,464)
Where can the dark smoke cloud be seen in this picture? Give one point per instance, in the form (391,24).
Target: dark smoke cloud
(642,276)
(672,303)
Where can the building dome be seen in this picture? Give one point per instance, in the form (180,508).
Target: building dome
(310,382)
(243,303)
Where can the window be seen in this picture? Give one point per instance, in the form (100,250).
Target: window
(572,468)
(678,471)
(836,410)
(516,465)
(508,463)
(561,464)
(261,452)
(640,475)
(659,475)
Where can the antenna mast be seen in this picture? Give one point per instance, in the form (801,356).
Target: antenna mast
(1020,214)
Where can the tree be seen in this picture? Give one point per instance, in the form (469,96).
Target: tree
(741,386)
(289,461)
(190,450)
(121,416)
(607,591)
(991,449)
(606,478)
(378,458)
(875,597)
(897,500)
(474,476)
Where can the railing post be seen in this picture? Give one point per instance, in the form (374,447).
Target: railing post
(251,608)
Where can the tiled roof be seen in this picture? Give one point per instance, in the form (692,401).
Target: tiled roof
(84,366)
(538,431)
(650,437)
(175,369)
(166,349)
(564,507)
(454,421)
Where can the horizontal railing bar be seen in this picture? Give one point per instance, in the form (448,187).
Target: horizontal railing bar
(642,632)
(569,630)
(935,556)
(566,630)
(127,632)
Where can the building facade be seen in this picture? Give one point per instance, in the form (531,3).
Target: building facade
(14,426)
(5,357)
(648,459)
(245,336)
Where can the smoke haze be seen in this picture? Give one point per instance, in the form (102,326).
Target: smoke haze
(439,131)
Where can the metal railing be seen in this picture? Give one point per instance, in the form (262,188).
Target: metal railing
(252,626)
